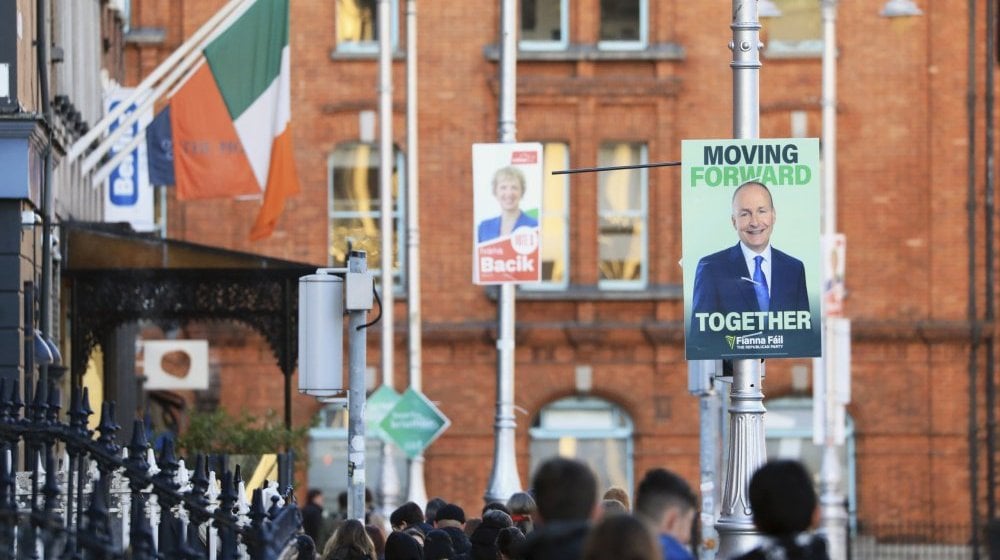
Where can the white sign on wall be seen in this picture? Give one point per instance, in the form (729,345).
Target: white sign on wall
(175,364)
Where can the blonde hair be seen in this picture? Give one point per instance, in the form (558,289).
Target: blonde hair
(509,172)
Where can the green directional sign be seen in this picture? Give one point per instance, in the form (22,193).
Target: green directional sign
(414,423)
(376,407)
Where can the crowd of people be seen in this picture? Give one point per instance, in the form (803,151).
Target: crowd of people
(565,517)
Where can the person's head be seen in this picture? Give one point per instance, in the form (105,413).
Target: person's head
(509,542)
(564,490)
(666,500)
(438,546)
(622,537)
(618,493)
(430,512)
(508,187)
(400,546)
(782,498)
(302,547)
(378,539)
(450,515)
(522,506)
(405,516)
(496,505)
(612,507)
(753,215)
(521,503)
(484,538)
(315,496)
(350,534)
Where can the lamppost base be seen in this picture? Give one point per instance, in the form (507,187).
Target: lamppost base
(736,537)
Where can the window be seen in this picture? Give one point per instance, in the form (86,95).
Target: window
(623,24)
(590,429)
(622,214)
(554,219)
(357,25)
(543,24)
(797,31)
(355,206)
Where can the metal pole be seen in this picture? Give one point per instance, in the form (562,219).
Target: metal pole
(417,490)
(747,450)
(504,479)
(833,515)
(389,479)
(357,343)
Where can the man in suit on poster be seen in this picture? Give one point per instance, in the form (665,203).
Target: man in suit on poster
(751,275)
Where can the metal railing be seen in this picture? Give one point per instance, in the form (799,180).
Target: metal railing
(102,500)
(915,541)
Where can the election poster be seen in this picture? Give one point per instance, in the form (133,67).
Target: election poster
(751,248)
(506,187)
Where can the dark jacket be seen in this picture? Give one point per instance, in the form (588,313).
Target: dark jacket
(459,541)
(558,540)
(794,547)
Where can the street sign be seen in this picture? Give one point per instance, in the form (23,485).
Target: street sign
(376,407)
(414,423)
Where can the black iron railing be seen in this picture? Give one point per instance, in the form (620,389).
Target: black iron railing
(102,500)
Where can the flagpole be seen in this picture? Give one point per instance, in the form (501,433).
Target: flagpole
(178,71)
(105,170)
(390,480)
(194,41)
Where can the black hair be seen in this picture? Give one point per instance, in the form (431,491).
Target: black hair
(782,497)
(564,489)
(408,513)
(660,490)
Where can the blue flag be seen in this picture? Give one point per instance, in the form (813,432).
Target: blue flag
(160,149)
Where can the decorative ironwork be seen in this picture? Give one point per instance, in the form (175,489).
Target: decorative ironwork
(101,500)
(266,300)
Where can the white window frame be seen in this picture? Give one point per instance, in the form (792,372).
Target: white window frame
(399,276)
(549,166)
(642,213)
(370,47)
(551,45)
(639,45)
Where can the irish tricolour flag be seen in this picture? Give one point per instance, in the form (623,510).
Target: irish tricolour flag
(230,119)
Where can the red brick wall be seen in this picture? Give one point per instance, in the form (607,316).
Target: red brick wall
(902,163)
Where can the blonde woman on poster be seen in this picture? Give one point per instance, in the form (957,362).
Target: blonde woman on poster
(508,188)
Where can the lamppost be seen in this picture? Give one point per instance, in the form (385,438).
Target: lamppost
(832,380)
(747,451)
(504,479)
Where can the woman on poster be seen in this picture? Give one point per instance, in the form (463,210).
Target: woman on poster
(508,188)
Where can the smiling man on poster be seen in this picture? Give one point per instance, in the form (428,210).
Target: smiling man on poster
(751,275)
(752,298)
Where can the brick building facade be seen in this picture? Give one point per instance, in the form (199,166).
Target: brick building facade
(903,182)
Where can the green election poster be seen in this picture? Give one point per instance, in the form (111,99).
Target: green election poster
(751,248)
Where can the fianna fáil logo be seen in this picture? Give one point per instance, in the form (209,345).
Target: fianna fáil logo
(731,340)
